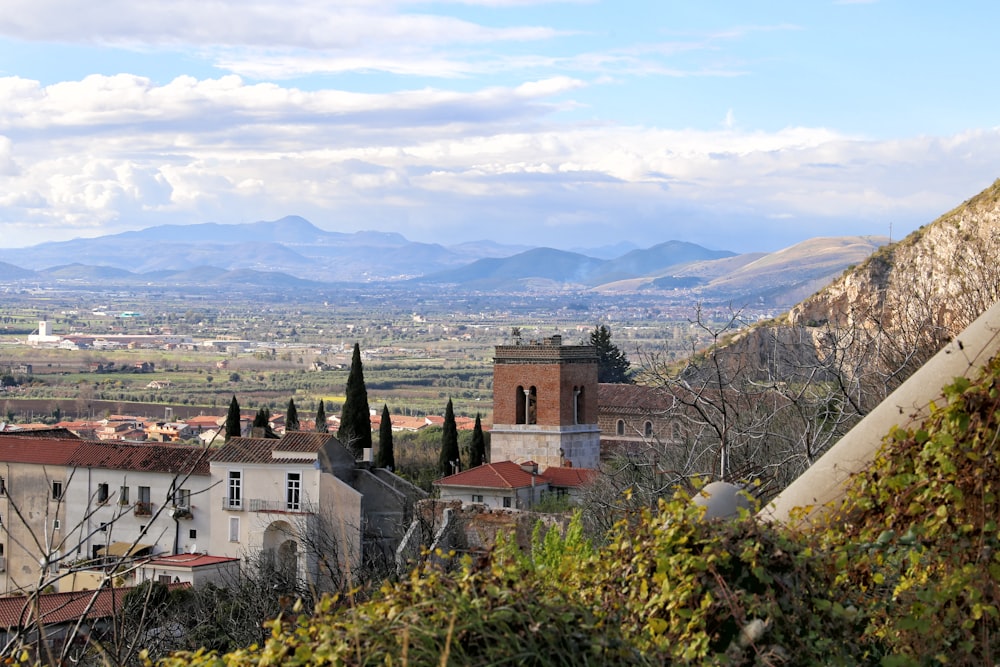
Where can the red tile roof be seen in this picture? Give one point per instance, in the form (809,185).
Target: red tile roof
(569,477)
(56,608)
(141,457)
(501,475)
(18,448)
(205,421)
(60,430)
(258,450)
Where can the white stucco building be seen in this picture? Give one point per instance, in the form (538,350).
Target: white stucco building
(305,506)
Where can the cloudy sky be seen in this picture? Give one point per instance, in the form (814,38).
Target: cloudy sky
(571,123)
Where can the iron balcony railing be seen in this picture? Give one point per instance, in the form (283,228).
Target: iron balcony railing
(261,505)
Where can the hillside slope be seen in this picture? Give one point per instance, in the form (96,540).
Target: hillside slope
(945,274)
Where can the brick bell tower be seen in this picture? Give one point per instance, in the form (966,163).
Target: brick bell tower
(545,405)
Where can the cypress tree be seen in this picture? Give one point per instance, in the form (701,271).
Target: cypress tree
(477,449)
(233,425)
(450,461)
(355,417)
(386,458)
(262,420)
(321,426)
(291,417)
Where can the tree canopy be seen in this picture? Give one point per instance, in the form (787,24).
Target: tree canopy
(291,416)
(262,423)
(612,364)
(355,417)
(234,426)
(321,425)
(477,448)
(450,461)
(385,457)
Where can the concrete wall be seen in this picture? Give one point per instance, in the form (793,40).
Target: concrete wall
(520,499)
(579,445)
(30,516)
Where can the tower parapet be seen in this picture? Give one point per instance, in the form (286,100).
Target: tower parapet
(545,404)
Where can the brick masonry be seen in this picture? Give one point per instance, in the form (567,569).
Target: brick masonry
(565,428)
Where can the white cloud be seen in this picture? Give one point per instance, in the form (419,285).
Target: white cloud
(309,24)
(108,153)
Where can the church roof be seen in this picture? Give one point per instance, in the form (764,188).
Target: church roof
(510,475)
(501,475)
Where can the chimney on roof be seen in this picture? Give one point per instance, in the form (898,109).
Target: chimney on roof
(554,341)
(530,467)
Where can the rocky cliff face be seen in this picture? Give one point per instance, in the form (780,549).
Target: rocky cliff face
(881,320)
(943,275)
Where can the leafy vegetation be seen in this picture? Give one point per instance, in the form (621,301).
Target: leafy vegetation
(612,364)
(905,573)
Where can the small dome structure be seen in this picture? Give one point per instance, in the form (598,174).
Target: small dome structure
(723,500)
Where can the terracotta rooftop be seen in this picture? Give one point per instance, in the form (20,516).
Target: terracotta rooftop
(141,457)
(569,477)
(56,608)
(16,447)
(259,450)
(205,421)
(60,430)
(501,475)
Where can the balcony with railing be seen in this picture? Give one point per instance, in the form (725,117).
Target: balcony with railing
(281,506)
(232,504)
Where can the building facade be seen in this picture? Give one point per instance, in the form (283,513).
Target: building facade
(305,507)
(545,406)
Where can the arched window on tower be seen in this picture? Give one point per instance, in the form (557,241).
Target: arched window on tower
(520,402)
(647,429)
(578,417)
(620,427)
(532,399)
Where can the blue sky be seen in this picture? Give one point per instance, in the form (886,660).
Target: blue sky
(739,126)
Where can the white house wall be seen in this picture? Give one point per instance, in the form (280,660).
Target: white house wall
(84,514)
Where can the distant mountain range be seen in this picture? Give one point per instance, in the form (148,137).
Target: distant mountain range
(293,253)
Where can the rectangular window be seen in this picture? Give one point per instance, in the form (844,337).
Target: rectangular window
(506,501)
(57,490)
(123,496)
(56,524)
(234,490)
(102,493)
(163,579)
(234,529)
(192,534)
(143,505)
(3,486)
(104,527)
(182,498)
(293,491)
(477,498)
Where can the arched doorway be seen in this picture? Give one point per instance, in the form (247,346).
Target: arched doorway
(281,553)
